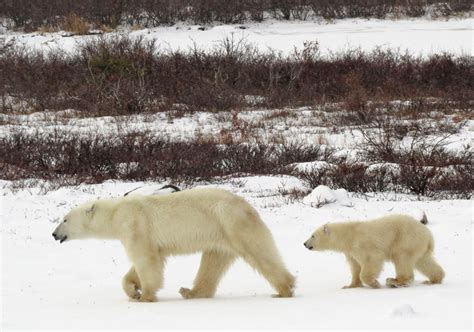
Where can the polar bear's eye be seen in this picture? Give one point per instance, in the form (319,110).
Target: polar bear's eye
(312,236)
(64,220)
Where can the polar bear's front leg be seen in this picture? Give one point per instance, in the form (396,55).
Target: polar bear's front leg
(404,266)
(148,265)
(355,270)
(371,266)
(131,284)
(150,273)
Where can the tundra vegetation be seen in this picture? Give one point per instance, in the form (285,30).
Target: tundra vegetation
(404,110)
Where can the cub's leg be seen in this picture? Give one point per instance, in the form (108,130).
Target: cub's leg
(213,266)
(404,266)
(131,284)
(371,266)
(355,270)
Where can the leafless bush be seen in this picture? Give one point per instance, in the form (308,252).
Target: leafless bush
(419,148)
(116,74)
(293,194)
(428,169)
(76,25)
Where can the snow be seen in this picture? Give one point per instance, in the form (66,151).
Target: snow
(78,284)
(323,195)
(404,310)
(311,166)
(419,36)
(391,168)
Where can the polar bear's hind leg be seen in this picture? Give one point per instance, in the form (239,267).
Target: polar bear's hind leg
(404,267)
(430,268)
(262,254)
(214,264)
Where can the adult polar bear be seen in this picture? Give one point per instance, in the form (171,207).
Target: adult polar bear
(220,224)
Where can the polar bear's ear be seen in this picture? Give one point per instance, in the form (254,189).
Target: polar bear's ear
(90,211)
(326,229)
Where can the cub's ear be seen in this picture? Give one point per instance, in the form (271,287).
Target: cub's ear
(326,229)
(90,211)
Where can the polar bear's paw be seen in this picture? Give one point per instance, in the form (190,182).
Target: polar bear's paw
(394,283)
(148,298)
(187,293)
(374,284)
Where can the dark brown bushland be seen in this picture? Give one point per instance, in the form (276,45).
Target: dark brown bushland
(430,170)
(427,170)
(447,174)
(352,176)
(31,14)
(426,166)
(133,156)
(109,76)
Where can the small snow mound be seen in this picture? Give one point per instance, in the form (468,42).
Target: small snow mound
(323,195)
(404,310)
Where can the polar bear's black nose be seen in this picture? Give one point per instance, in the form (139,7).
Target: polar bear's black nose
(54,235)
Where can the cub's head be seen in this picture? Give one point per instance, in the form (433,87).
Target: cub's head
(79,223)
(320,239)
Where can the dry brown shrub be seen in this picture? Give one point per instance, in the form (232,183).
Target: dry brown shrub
(76,24)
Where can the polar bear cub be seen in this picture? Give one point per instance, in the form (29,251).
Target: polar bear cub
(213,221)
(366,245)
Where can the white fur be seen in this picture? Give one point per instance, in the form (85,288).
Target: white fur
(218,223)
(367,244)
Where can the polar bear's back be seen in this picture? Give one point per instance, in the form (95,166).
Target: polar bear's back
(209,200)
(394,233)
(189,220)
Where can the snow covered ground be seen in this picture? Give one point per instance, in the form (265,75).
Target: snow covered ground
(419,36)
(78,284)
(303,125)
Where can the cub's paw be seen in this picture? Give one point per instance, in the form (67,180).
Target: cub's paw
(283,294)
(132,290)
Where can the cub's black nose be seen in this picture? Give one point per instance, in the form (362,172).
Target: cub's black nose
(54,235)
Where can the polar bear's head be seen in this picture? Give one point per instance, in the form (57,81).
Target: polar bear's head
(79,223)
(320,239)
